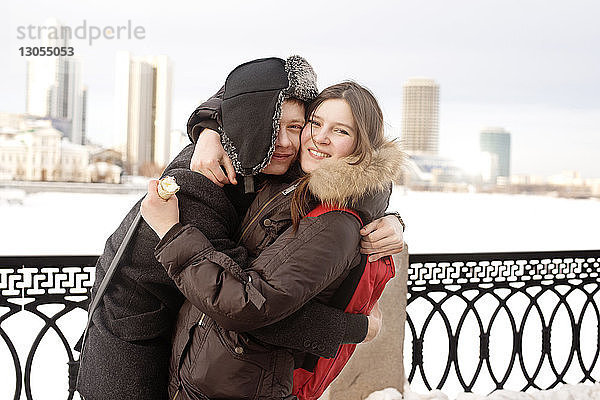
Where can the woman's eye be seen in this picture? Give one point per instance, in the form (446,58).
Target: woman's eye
(314,123)
(341,131)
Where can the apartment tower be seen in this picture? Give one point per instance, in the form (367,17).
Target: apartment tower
(496,142)
(143,109)
(55,89)
(420,115)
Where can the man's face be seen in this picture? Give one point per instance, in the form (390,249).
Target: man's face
(288,140)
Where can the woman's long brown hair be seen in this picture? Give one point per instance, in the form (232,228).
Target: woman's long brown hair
(369,122)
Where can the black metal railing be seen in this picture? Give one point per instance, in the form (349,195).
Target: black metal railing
(31,284)
(507,317)
(462,311)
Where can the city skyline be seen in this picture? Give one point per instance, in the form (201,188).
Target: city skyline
(517,72)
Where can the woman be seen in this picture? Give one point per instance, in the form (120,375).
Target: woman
(348,163)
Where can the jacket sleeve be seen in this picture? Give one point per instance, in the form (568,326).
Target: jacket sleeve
(290,272)
(207,115)
(316,328)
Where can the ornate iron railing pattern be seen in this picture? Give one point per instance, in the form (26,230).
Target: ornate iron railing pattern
(471,280)
(26,283)
(538,286)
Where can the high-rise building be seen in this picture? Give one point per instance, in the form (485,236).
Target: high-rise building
(420,115)
(84,93)
(143,109)
(54,88)
(496,141)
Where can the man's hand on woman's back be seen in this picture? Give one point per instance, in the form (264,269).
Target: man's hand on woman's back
(208,158)
(382,237)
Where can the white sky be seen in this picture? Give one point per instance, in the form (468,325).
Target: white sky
(532,67)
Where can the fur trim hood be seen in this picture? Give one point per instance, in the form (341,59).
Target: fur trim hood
(338,182)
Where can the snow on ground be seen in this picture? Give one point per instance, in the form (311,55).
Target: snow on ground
(61,223)
(78,223)
(564,392)
(475,222)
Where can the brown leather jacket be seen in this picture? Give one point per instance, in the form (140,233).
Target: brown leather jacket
(210,358)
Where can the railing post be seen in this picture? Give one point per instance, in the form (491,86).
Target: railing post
(379,364)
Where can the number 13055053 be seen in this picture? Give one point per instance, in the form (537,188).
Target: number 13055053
(46,51)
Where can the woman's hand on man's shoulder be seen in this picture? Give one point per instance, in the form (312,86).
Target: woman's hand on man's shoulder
(158,213)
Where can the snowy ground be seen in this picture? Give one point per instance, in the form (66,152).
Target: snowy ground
(76,223)
(61,223)
(472,222)
(564,392)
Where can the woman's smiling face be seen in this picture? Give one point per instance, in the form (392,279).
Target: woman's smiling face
(330,133)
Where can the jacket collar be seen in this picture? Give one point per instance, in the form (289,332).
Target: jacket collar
(365,187)
(338,182)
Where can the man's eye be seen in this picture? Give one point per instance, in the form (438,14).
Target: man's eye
(295,127)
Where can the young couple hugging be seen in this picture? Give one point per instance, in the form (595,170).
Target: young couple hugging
(235,288)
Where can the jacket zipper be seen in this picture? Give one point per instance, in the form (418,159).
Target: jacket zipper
(185,349)
(289,190)
(284,192)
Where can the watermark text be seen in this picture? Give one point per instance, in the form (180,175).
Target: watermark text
(83,31)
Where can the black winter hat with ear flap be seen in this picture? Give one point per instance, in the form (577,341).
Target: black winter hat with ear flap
(251,109)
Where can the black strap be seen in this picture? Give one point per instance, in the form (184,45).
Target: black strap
(103,286)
